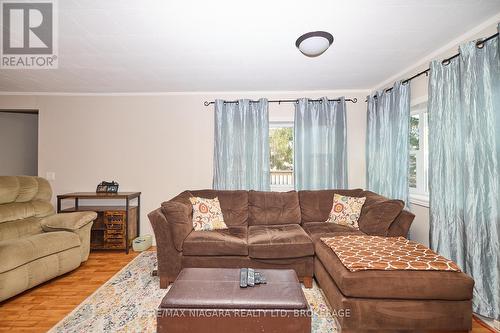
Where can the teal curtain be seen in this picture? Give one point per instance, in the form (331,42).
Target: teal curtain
(464,157)
(241,152)
(387,142)
(320,146)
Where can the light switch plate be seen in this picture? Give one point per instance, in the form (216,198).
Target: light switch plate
(50,175)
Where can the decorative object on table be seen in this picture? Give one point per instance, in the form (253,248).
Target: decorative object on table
(116,226)
(142,243)
(107,187)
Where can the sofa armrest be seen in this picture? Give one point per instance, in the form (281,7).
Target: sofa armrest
(169,258)
(67,221)
(77,222)
(180,219)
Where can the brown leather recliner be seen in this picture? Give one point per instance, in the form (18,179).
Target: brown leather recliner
(265,229)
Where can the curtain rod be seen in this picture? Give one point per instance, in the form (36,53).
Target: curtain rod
(479,44)
(279,101)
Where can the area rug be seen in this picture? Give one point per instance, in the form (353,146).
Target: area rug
(128,303)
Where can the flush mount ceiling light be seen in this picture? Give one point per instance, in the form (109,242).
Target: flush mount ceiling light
(313,44)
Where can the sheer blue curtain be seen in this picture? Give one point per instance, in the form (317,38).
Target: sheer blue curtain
(320,153)
(387,142)
(241,152)
(464,157)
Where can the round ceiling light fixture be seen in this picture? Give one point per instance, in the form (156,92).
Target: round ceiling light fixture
(315,43)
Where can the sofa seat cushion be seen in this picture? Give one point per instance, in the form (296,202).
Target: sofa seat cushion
(435,285)
(325,229)
(279,241)
(225,242)
(17,252)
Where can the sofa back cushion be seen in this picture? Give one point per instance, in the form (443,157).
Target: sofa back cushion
(234,205)
(22,210)
(378,213)
(272,208)
(401,224)
(315,206)
(23,201)
(24,189)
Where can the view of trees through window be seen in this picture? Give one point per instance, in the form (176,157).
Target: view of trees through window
(414,147)
(418,179)
(281,156)
(281,148)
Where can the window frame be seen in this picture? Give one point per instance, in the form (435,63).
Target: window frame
(282,188)
(419,195)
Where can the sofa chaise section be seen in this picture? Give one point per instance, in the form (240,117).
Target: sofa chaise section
(394,300)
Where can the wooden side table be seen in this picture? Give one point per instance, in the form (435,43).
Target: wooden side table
(115,226)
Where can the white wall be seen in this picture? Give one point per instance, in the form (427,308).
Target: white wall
(419,91)
(18,144)
(161,144)
(157,144)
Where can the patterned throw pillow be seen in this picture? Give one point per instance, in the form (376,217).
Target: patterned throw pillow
(346,210)
(207,214)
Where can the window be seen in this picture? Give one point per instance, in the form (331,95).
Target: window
(418,178)
(281,155)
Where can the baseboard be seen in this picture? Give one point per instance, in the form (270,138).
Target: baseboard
(491,324)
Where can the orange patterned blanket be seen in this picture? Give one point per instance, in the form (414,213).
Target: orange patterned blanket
(359,253)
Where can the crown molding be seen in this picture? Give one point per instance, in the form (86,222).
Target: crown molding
(188,93)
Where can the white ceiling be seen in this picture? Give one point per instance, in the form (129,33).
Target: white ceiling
(230,45)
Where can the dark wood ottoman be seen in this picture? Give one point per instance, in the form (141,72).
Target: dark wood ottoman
(211,300)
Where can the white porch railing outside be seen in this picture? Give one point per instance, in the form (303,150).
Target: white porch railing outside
(282,178)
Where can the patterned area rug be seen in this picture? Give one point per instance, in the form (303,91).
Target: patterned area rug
(128,303)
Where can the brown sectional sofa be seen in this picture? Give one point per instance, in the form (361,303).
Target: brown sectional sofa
(283,230)
(266,229)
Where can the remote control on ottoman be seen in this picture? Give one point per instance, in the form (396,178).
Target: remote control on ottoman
(243,278)
(249,278)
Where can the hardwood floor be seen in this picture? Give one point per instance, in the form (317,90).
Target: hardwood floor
(40,308)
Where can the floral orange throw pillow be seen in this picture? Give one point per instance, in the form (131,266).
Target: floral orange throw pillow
(346,210)
(207,214)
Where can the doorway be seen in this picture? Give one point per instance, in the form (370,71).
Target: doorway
(18,142)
